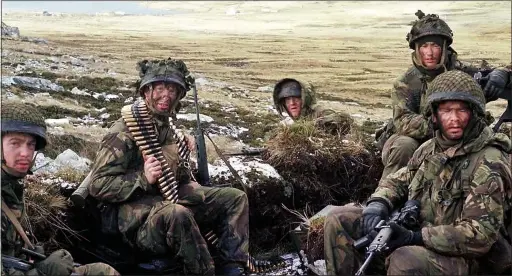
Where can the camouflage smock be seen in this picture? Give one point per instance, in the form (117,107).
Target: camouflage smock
(408,98)
(461,216)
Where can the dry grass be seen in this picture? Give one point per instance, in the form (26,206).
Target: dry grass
(344,48)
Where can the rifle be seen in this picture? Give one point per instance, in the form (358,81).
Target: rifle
(22,265)
(249,151)
(407,217)
(480,78)
(202,161)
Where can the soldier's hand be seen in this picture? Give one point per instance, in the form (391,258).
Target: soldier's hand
(59,262)
(152,169)
(191,142)
(373,213)
(496,83)
(402,237)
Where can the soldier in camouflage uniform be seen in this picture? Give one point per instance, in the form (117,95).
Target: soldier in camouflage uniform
(24,133)
(430,38)
(463,181)
(126,180)
(294,100)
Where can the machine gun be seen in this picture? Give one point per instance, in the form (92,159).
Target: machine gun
(481,78)
(406,217)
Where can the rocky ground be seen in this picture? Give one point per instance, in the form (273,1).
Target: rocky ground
(79,69)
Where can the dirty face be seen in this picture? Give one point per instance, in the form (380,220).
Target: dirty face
(162,95)
(18,151)
(293,106)
(453,117)
(430,54)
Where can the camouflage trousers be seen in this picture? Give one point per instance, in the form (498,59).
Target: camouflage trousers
(343,227)
(396,153)
(174,229)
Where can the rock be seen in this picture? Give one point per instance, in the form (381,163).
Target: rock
(219,168)
(41,163)
(357,115)
(129,100)
(351,103)
(202,81)
(76,62)
(8,31)
(46,13)
(57,122)
(36,40)
(77,91)
(34,83)
(70,159)
(105,116)
(101,110)
(265,89)
(193,117)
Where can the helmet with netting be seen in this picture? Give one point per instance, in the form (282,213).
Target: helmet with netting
(168,71)
(429,25)
(455,85)
(24,118)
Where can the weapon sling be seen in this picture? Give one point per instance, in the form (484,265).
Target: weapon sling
(17,225)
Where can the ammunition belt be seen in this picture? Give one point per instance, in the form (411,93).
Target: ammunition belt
(140,124)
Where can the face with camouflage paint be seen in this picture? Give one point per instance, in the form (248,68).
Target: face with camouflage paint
(18,151)
(430,54)
(453,117)
(162,95)
(293,106)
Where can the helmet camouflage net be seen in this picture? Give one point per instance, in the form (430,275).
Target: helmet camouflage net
(24,118)
(428,25)
(455,85)
(168,70)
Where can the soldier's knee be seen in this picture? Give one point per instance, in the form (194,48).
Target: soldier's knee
(407,260)
(181,212)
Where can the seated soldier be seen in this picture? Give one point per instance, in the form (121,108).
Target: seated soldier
(132,183)
(24,133)
(462,179)
(296,100)
(430,38)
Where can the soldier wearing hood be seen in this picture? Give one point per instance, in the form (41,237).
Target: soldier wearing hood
(462,179)
(294,100)
(430,38)
(23,134)
(126,180)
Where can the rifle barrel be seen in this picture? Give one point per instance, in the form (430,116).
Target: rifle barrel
(365,264)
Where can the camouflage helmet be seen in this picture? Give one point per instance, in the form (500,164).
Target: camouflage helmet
(169,70)
(24,118)
(455,85)
(288,88)
(429,25)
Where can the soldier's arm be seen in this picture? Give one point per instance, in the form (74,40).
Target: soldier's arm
(406,121)
(111,180)
(393,189)
(473,234)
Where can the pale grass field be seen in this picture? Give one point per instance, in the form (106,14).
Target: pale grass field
(351,51)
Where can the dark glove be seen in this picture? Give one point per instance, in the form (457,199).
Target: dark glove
(373,213)
(496,83)
(59,262)
(402,236)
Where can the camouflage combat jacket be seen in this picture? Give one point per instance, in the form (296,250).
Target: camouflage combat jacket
(408,99)
(310,109)
(12,195)
(118,173)
(461,211)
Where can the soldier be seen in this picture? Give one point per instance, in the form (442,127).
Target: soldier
(294,100)
(24,133)
(463,181)
(430,38)
(127,181)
